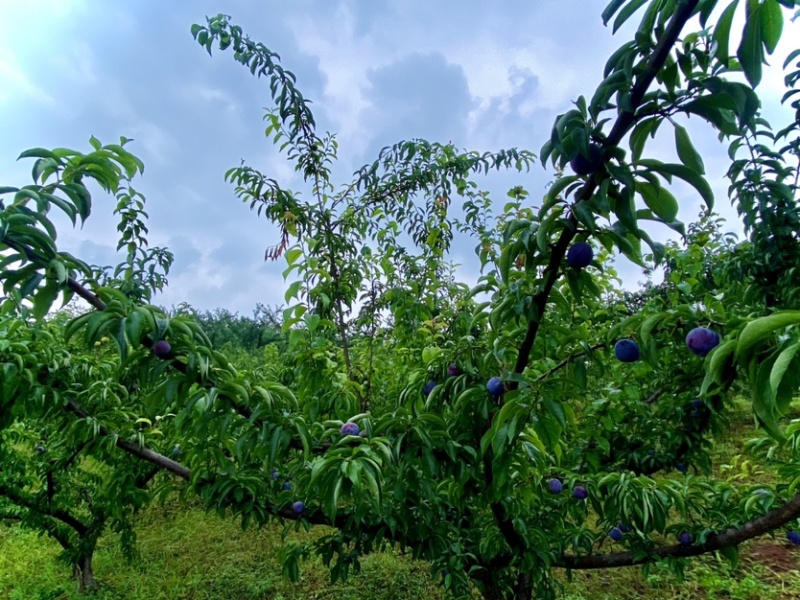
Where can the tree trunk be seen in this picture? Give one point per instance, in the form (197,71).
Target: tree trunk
(85,575)
(523,590)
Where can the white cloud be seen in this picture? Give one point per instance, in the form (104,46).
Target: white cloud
(16,82)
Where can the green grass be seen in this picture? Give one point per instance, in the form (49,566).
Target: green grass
(186,553)
(190,554)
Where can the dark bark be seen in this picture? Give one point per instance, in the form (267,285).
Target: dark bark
(84,573)
(627,119)
(732,537)
(524,588)
(491,589)
(624,122)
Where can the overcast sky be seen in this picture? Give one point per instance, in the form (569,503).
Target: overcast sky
(482,75)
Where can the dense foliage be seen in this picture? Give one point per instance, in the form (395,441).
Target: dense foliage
(540,419)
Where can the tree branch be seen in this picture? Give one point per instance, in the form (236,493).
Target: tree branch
(683,11)
(162,462)
(32,505)
(155,458)
(567,361)
(731,537)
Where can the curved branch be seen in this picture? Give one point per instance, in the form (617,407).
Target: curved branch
(731,537)
(150,456)
(98,304)
(32,505)
(683,11)
(176,468)
(567,361)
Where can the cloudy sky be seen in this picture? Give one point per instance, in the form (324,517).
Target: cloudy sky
(482,75)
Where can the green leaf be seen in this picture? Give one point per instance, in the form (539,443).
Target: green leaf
(771,24)
(731,554)
(686,152)
(38,153)
(627,12)
(75,325)
(639,136)
(763,403)
(751,52)
(292,255)
(709,108)
(722,32)
(291,292)
(716,363)
(134,326)
(782,363)
(44,298)
(27,288)
(697,181)
(579,374)
(611,9)
(430,354)
(659,200)
(758,330)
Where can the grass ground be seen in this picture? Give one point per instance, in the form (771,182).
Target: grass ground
(186,553)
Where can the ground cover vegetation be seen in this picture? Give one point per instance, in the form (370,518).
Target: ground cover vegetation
(540,422)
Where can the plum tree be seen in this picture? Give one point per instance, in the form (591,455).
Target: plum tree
(374,309)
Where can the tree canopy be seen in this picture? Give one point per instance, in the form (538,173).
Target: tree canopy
(543,418)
